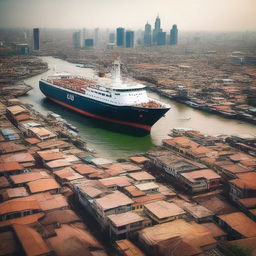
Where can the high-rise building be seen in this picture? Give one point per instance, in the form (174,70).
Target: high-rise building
(174,35)
(120,37)
(88,43)
(76,40)
(157,29)
(161,38)
(112,38)
(129,39)
(147,35)
(96,36)
(84,34)
(36,38)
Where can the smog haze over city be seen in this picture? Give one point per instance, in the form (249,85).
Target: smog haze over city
(217,15)
(128,127)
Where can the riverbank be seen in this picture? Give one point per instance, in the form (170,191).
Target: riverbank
(209,82)
(14,70)
(245,116)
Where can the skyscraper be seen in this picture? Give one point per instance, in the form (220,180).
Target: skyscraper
(36,38)
(147,35)
(174,35)
(96,36)
(161,38)
(120,37)
(157,29)
(76,40)
(112,38)
(129,39)
(88,43)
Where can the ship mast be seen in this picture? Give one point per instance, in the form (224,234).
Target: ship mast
(116,72)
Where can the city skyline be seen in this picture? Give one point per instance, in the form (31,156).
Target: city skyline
(191,15)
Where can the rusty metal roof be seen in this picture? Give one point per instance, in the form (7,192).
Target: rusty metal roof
(42,185)
(19,204)
(31,240)
(10,147)
(17,157)
(10,166)
(29,176)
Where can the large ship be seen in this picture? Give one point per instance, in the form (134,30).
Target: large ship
(110,99)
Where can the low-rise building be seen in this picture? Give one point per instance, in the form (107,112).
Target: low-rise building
(73,239)
(18,208)
(85,169)
(162,211)
(22,179)
(100,201)
(112,203)
(139,202)
(242,187)
(50,202)
(26,235)
(25,159)
(11,147)
(248,205)
(43,185)
(238,225)
(55,165)
(140,177)
(124,225)
(52,144)
(119,169)
(49,155)
(173,164)
(139,159)
(231,171)
(148,187)
(116,182)
(198,212)
(178,237)
(200,180)
(216,231)
(11,193)
(127,248)
(41,133)
(132,191)
(15,110)
(4,183)
(67,174)
(10,168)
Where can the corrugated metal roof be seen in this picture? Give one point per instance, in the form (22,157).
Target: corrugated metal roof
(19,204)
(27,177)
(43,185)
(57,163)
(113,200)
(9,147)
(10,193)
(8,131)
(18,157)
(125,218)
(10,166)
(162,209)
(16,109)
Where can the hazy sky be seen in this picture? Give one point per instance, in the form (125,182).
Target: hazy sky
(188,14)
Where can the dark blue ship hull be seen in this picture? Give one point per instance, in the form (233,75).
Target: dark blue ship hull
(130,116)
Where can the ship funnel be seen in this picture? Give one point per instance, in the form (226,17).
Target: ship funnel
(115,72)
